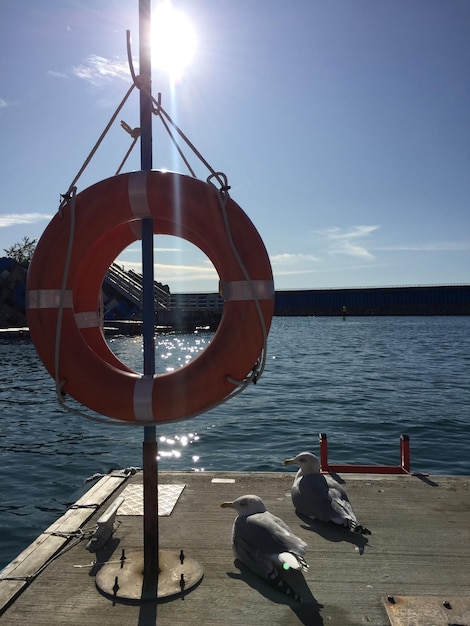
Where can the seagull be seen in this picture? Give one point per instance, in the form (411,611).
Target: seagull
(320,497)
(264,543)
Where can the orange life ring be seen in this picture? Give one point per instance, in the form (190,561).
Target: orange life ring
(105,219)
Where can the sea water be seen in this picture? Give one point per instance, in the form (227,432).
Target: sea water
(363,381)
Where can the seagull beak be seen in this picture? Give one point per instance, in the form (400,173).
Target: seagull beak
(227,505)
(289,462)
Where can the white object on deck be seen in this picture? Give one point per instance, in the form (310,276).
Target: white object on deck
(105,526)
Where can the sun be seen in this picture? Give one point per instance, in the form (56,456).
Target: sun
(173,40)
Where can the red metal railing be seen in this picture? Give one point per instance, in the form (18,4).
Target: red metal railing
(403,468)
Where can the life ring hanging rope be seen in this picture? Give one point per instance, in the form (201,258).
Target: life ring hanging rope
(85,237)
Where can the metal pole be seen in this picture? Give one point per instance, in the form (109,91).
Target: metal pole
(405,452)
(150,468)
(324,452)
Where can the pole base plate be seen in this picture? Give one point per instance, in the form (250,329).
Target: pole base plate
(124,580)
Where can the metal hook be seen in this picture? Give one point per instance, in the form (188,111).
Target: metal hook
(133,132)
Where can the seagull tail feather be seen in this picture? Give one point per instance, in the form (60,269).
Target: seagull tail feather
(358,528)
(276,581)
(293,561)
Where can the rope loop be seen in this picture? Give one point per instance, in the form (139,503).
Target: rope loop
(221,179)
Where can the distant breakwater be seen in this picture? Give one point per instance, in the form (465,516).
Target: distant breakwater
(413,300)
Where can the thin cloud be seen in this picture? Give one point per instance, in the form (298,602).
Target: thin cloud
(13,219)
(165,272)
(353,233)
(289,264)
(185,272)
(56,74)
(296,272)
(445,246)
(349,249)
(345,241)
(98,70)
(5,105)
(138,249)
(293,259)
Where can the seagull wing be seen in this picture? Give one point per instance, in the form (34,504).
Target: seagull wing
(259,539)
(310,496)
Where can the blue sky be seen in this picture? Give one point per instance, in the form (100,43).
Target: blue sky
(342,125)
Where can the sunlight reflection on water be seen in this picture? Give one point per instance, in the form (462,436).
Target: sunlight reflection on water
(171,351)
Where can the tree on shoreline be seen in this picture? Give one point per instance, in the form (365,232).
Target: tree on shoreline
(22,251)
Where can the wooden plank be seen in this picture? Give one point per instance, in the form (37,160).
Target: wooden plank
(23,569)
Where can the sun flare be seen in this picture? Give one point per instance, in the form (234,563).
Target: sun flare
(173,40)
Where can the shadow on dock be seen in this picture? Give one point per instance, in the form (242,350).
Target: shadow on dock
(307,610)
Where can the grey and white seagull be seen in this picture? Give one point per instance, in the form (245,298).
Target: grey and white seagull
(264,543)
(321,497)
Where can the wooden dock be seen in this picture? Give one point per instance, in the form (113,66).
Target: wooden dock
(413,570)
